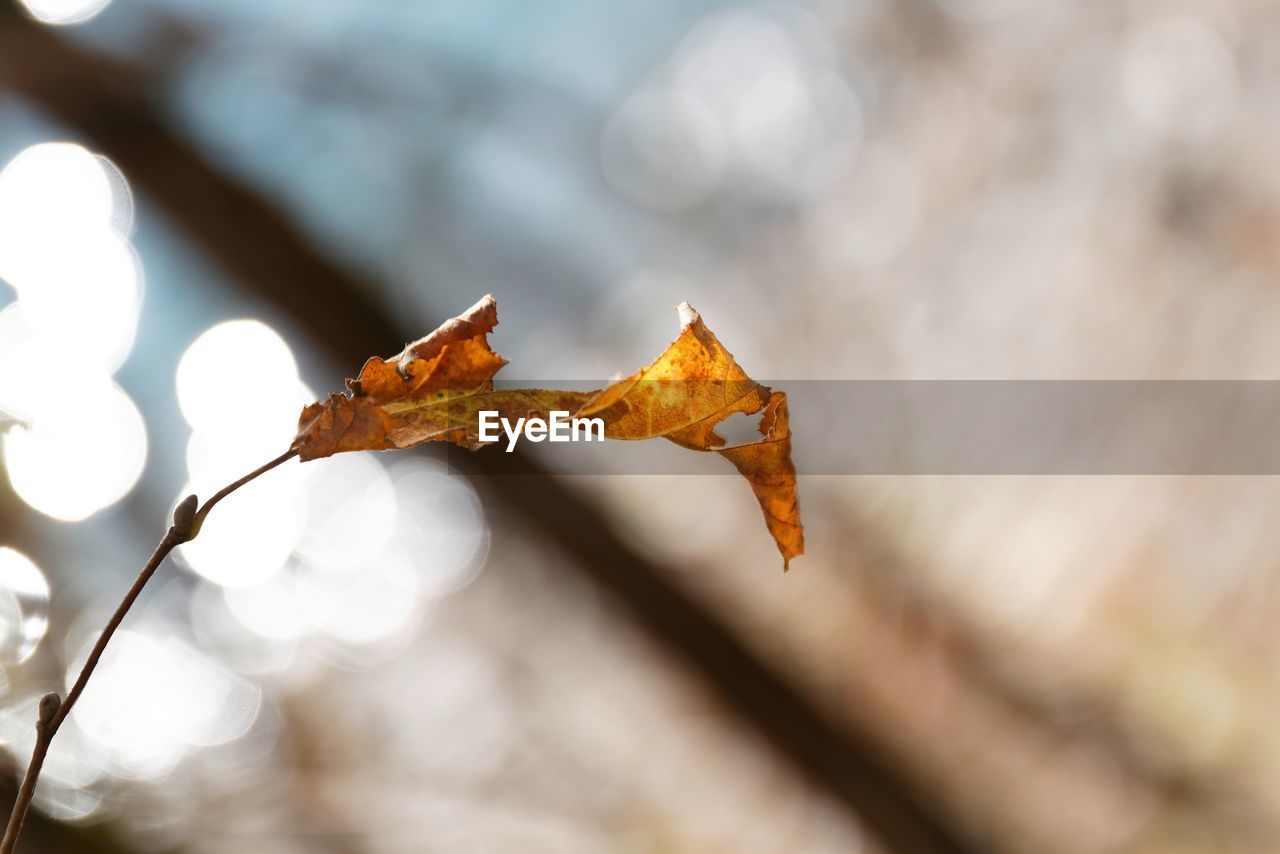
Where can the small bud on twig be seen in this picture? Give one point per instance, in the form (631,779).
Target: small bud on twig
(184,518)
(49,705)
(187,517)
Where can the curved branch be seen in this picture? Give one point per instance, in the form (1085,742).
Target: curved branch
(53,710)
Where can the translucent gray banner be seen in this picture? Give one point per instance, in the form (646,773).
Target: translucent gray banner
(976,427)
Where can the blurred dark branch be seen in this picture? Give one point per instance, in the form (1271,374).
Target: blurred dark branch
(1005,676)
(54,837)
(106,104)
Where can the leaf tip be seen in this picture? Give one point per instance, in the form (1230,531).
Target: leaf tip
(485,308)
(688,314)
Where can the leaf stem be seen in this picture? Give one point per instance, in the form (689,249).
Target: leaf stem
(227,490)
(48,724)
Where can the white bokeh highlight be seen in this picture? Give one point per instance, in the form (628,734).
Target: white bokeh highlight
(340,556)
(244,361)
(62,12)
(79,453)
(24,606)
(752,101)
(65,216)
(155,698)
(239,390)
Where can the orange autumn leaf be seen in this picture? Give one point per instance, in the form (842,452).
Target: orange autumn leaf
(430,392)
(690,389)
(436,387)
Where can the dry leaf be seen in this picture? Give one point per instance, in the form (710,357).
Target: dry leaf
(690,389)
(435,389)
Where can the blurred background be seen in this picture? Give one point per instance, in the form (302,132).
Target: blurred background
(211,213)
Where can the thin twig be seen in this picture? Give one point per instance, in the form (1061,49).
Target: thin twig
(53,711)
(227,490)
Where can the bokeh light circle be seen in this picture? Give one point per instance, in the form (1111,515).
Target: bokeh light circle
(376,604)
(351,512)
(248,540)
(235,368)
(80,452)
(663,151)
(64,11)
(56,188)
(188,701)
(24,606)
(86,288)
(442,525)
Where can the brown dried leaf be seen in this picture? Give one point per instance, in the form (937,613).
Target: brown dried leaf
(690,389)
(435,388)
(430,392)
